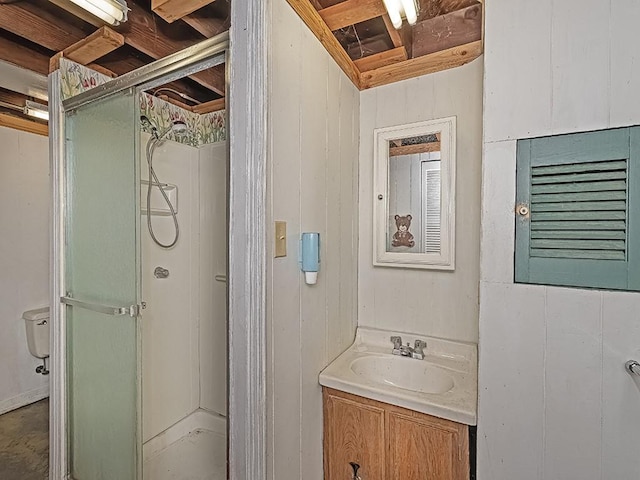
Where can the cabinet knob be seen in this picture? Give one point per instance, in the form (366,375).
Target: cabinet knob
(355,467)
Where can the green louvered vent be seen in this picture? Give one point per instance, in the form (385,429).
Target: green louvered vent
(579,210)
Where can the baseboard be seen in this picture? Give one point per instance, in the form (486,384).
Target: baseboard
(26,398)
(198,420)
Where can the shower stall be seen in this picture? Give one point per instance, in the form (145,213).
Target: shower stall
(140,229)
(184,323)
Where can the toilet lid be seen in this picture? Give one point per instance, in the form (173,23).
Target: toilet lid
(36,314)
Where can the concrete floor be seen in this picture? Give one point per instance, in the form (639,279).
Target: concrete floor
(24,443)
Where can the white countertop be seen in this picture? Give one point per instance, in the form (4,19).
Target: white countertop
(458,360)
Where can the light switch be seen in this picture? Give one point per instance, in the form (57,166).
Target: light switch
(281,239)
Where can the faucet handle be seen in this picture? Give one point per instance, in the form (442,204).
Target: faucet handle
(419,346)
(397,342)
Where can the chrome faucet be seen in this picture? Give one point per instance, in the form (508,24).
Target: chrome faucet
(417,351)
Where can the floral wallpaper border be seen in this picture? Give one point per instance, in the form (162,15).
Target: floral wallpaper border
(162,114)
(201,129)
(76,78)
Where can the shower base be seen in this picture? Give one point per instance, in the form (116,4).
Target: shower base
(193,449)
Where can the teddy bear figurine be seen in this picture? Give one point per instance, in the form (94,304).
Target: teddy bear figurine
(403,237)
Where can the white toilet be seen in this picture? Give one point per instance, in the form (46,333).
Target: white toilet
(37,324)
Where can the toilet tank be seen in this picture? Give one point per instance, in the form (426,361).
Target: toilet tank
(37,324)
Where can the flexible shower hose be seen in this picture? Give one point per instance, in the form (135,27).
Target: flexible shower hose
(151,146)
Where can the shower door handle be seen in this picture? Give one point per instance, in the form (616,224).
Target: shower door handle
(131,310)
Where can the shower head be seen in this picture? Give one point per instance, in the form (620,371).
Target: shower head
(179,126)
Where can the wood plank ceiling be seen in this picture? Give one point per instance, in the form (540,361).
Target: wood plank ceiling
(35,33)
(361,38)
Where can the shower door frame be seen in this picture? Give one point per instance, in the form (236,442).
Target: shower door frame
(246,118)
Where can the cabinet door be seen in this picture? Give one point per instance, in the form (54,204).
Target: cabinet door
(422,447)
(353,432)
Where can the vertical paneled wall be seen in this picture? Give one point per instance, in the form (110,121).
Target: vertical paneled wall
(213,266)
(170,323)
(312,185)
(430,302)
(555,401)
(25,200)
(184,327)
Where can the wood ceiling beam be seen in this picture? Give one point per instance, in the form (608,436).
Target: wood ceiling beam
(100,69)
(141,33)
(44,28)
(15,98)
(19,123)
(316,24)
(351,12)
(447,31)
(394,34)
(22,56)
(172,10)
(413,149)
(448,6)
(368,46)
(435,62)
(175,102)
(38,26)
(207,26)
(121,62)
(377,60)
(97,45)
(212,106)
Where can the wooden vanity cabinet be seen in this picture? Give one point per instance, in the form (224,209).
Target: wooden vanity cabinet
(353,432)
(389,442)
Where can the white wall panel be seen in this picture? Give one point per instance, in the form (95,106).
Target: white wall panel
(498,205)
(517,87)
(314,99)
(283,280)
(437,303)
(620,412)
(573,384)
(512,336)
(580,60)
(590,403)
(25,196)
(625,63)
(312,185)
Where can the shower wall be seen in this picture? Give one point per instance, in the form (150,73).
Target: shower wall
(213,265)
(184,324)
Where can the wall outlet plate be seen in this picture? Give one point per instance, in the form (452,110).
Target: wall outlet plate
(280,239)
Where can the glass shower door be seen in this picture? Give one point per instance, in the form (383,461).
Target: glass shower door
(102,266)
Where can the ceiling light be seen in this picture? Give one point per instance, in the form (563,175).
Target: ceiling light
(36,110)
(397,9)
(113,12)
(410,11)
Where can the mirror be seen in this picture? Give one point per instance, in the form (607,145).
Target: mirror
(414,204)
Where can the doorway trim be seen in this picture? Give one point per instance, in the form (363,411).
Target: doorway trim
(247,241)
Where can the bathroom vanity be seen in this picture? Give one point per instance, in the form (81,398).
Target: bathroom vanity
(399,417)
(389,442)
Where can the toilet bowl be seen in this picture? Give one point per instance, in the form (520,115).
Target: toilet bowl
(37,324)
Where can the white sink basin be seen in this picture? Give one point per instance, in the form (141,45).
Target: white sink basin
(444,384)
(406,373)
